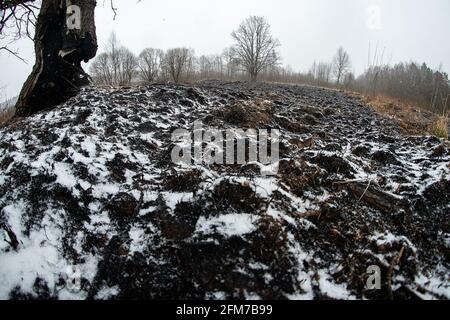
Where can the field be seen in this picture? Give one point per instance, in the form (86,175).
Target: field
(88,190)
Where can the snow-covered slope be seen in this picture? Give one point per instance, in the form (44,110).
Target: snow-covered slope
(100,211)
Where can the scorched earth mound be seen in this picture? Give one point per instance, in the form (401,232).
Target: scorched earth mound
(93,207)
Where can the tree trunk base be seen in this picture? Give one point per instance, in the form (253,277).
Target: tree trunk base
(57,74)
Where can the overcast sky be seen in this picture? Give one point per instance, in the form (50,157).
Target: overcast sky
(308,30)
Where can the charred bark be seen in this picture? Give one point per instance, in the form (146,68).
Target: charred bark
(374,197)
(65,36)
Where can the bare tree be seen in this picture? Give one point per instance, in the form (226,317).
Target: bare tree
(117,66)
(218,66)
(374,69)
(112,49)
(341,63)
(101,69)
(349,79)
(255,48)
(127,66)
(176,61)
(205,66)
(190,68)
(312,73)
(6,106)
(323,72)
(231,64)
(150,64)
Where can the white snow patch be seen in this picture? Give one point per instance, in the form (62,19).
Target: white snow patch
(433,284)
(89,145)
(138,243)
(106,293)
(104,190)
(332,289)
(228,225)
(174,198)
(38,256)
(64,175)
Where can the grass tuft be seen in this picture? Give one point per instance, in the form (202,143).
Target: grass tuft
(440,127)
(6,114)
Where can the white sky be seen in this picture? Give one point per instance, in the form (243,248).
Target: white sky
(308,30)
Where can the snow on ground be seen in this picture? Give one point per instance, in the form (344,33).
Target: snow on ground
(228,225)
(100,211)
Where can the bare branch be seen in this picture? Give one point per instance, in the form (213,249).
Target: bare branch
(14,53)
(17,19)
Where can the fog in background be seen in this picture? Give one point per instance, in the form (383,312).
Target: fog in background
(308,30)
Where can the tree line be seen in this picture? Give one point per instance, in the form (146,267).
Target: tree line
(254,53)
(67,39)
(411,82)
(407,81)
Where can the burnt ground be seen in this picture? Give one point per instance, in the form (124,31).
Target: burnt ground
(88,192)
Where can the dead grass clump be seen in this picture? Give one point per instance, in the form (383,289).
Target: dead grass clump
(293,126)
(184,182)
(251,114)
(240,197)
(409,117)
(440,127)
(298,176)
(334,164)
(5,115)
(123,207)
(182,224)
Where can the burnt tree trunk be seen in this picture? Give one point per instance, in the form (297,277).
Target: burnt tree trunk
(65,36)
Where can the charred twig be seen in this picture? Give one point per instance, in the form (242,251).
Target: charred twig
(364,193)
(395,261)
(310,214)
(271,199)
(113,8)
(349,181)
(139,205)
(14,243)
(375,197)
(14,53)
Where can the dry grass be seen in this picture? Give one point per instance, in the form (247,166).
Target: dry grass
(440,127)
(5,115)
(249,113)
(412,119)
